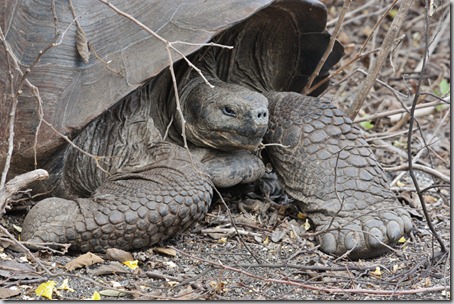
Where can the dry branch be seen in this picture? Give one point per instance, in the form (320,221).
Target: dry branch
(18,183)
(329,48)
(381,57)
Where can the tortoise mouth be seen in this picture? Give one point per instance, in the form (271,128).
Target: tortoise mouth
(227,140)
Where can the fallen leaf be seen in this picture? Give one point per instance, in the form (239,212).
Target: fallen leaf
(170,264)
(112,268)
(376,272)
(402,240)
(112,293)
(301,216)
(64,286)
(45,289)
(266,241)
(222,240)
(84,260)
(277,235)
(307,225)
(19,229)
(131,264)
(8,292)
(82,44)
(167,251)
(119,255)
(17,271)
(96,296)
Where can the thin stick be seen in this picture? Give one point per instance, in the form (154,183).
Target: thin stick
(329,48)
(426,169)
(312,287)
(410,133)
(381,57)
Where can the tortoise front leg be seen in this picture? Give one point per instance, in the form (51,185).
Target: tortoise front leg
(330,170)
(130,210)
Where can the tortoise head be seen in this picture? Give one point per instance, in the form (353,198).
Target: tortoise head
(227,117)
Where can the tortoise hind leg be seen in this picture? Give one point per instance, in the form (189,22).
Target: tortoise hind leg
(328,167)
(130,210)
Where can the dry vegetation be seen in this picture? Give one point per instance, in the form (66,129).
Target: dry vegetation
(251,248)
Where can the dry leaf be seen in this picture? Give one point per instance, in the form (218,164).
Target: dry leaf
(19,229)
(277,235)
(301,215)
(64,286)
(307,225)
(131,264)
(96,296)
(377,272)
(111,268)
(83,260)
(167,251)
(119,255)
(266,241)
(112,293)
(170,264)
(82,44)
(45,289)
(8,292)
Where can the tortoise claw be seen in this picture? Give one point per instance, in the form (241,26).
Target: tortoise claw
(366,236)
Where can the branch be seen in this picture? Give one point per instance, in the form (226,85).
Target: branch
(18,183)
(410,131)
(329,48)
(381,57)
(426,169)
(312,287)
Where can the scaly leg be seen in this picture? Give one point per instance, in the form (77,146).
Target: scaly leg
(329,168)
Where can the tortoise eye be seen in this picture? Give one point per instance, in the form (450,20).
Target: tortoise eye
(229,111)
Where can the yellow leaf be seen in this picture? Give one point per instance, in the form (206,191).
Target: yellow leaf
(172,283)
(377,271)
(266,241)
(131,264)
(395,268)
(65,286)
(402,240)
(222,240)
(96,296)
(301,216)
(392,13)
(46,289)
(306,225)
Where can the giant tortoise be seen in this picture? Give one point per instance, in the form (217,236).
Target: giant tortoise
(144,161)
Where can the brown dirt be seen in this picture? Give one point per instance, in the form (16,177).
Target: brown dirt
(273,258)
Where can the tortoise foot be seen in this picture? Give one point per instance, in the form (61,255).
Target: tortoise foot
(365,236)
(46,221)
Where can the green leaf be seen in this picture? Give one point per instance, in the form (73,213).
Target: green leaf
(444,87)
(366,125)
(392,13)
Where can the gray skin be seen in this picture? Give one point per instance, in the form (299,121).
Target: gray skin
(154,189)
(151,188)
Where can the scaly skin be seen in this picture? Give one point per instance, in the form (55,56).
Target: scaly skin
(130,210)
(329,168)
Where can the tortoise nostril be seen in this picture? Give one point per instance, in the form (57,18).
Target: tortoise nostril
(260,115)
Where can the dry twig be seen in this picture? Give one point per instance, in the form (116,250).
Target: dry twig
(381,57)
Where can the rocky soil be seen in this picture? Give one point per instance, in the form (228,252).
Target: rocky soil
(250,247)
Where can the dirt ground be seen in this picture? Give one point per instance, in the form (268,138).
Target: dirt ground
(250,248)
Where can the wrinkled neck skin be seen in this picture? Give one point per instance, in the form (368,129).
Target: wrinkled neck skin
(227,117)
